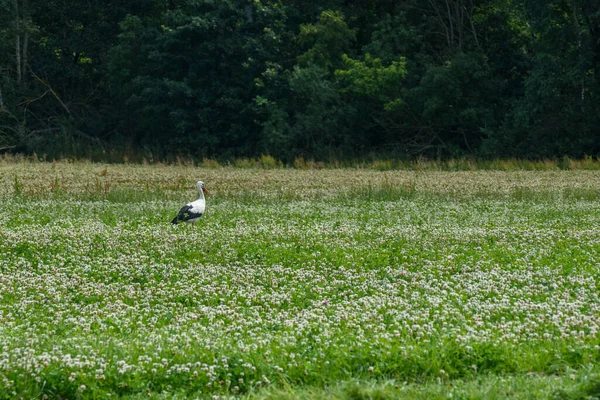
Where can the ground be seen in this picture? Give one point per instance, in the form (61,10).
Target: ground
(298,283)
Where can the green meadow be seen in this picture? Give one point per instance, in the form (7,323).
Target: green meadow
(298,283)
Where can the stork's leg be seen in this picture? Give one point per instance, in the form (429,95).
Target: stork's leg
(193,223)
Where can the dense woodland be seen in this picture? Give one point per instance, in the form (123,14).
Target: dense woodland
(314,79)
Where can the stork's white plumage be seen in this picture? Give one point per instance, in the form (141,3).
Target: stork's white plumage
(191,212)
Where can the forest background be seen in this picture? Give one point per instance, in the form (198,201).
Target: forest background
(328,79)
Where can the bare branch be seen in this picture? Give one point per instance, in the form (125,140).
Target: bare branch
(29,101)
(51,91)
(442,22)
(38,131)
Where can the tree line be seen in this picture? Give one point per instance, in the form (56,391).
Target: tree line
(290,78)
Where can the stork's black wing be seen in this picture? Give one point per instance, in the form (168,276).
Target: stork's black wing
(185,214)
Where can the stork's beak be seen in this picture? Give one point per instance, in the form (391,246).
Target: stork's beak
(206,192)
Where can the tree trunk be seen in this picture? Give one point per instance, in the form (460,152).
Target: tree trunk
(592,20)
(470,17)
(24,58)
(18,41)
(450,22)
(460,18)
(249,13)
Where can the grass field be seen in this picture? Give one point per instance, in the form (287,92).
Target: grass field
(298,283)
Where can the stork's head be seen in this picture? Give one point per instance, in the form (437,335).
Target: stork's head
(201,187)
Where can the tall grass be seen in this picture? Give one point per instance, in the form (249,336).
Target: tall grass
(266,161)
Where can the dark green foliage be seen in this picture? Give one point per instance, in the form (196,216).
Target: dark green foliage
(316,121)
(457,103)
(189,82)
(318,80)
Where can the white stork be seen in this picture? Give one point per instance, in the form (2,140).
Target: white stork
(192,211)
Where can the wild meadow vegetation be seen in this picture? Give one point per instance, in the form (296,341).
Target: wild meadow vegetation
(298,283)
